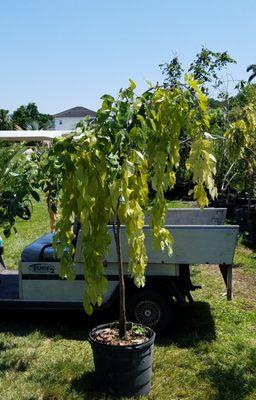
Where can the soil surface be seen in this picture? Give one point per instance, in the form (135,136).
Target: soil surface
(137,335)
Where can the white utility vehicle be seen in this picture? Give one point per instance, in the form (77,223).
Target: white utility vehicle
(200,237)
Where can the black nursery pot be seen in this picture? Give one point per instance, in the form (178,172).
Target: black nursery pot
(123,370)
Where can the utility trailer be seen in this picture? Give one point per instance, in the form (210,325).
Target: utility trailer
(200,237)
(37,283)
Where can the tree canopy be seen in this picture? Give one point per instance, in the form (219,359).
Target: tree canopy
(107,167)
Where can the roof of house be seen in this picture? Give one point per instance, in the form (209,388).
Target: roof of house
(75,112)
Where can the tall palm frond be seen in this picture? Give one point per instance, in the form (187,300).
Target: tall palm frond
(38,126)
(252,68)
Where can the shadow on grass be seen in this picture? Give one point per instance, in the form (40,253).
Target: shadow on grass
(233,381)
(249,241)
(86,386)
(86,383)
(74,325)
(14,362)
(191,325)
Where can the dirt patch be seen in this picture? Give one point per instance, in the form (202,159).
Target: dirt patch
(244,284)
(245,250)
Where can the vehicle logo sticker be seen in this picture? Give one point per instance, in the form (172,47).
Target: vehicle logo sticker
(42,268)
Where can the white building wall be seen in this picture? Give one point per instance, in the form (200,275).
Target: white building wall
(65,123)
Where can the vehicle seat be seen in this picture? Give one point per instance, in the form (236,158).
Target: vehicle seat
(40,250)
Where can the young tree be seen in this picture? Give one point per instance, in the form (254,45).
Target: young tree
(107,168)
(17,172)
(206,68)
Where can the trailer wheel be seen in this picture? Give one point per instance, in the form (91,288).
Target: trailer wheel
(150,308)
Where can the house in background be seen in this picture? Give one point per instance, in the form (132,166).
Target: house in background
(67,120)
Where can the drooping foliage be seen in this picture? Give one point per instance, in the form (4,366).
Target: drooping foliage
(207,67)
(233,130)
(231,121)
(240,141)
(108,166)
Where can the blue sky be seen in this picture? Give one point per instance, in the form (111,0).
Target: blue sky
(63,53)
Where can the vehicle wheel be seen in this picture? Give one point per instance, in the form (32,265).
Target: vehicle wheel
(150,308)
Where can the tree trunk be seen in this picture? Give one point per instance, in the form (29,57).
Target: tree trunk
(122,313)
(251,185)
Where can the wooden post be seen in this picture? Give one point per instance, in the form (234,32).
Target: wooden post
(226,271)
(229,283)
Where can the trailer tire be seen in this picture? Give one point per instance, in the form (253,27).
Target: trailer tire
(150,308)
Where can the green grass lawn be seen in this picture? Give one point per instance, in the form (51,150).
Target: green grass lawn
(28,231)
(181,204)
(210,353)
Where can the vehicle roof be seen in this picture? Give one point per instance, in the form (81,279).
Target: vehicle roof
(21,136)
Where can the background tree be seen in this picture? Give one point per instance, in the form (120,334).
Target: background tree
(206,68)
(5,120)
(172,72)
(26,116)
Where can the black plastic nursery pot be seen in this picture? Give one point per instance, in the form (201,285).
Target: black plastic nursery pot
(123,370)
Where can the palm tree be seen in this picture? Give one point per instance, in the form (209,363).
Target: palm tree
(253,69)
(38,126)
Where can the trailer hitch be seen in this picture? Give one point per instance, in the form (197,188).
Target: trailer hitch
(195,287)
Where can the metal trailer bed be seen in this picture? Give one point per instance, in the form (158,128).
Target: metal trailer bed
(200,237)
